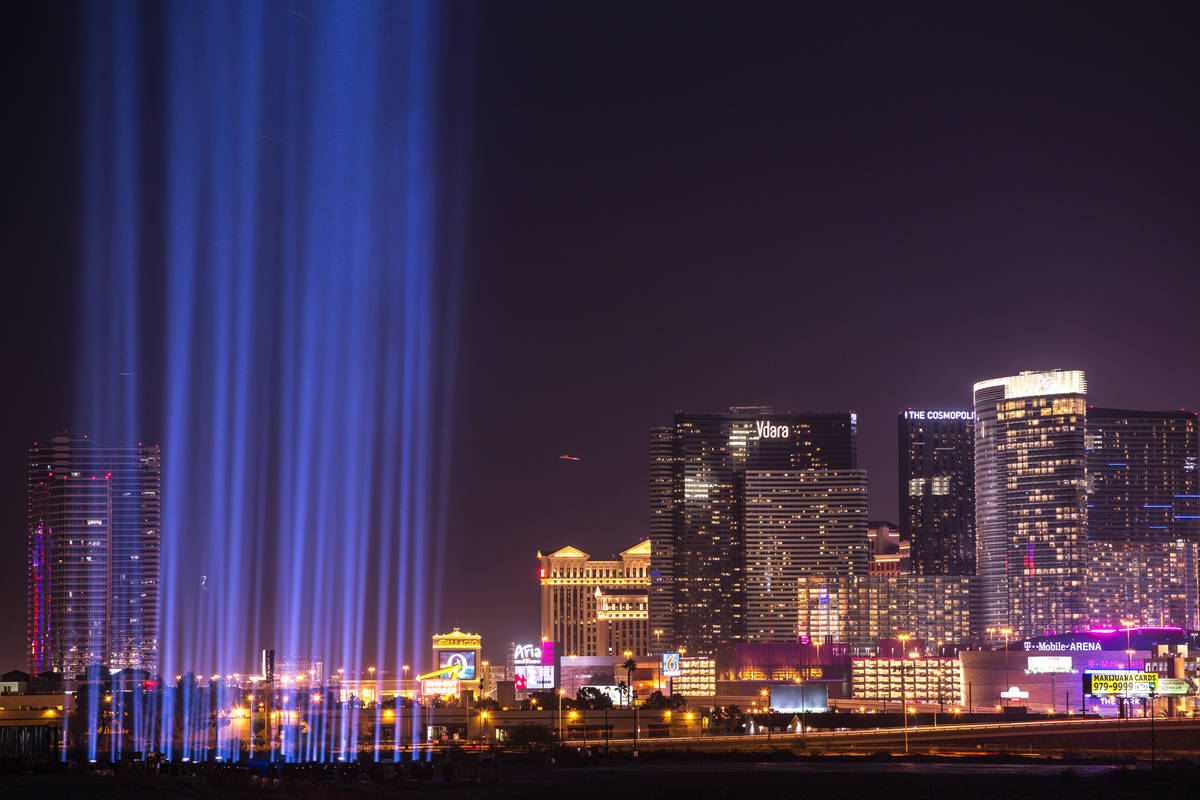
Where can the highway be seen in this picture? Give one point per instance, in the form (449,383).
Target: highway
(1177,737)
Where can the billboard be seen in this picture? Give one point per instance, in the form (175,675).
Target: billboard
(1175,687)
(670,665)
(532,677)
(541,654)
(1125,682)
(463,659)
(1037,665)
(613,693)
(439,687)
(800,697)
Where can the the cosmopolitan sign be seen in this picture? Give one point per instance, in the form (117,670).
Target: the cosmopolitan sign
(1063,647)
(939,415)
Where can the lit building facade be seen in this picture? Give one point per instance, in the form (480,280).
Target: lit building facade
(930,681)
(937,490)
(1031,501)
(697,678)
(699,597)
(1044,673)
(622,622)
(860,611)
(890,555)
(596,608)
(92,555)
(666,502)
(1143,481)
(1147,582)
(457,658)
(793,524)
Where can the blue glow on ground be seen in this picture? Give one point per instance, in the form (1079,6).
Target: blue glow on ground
(310,239)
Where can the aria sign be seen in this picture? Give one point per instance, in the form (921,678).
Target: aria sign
(769,430)
(527,654)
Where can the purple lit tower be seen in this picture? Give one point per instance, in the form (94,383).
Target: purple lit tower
(93,555)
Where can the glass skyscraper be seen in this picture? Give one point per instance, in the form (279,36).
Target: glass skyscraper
(92,556)
(937,490)
(1142,475)
(797,524)
(1143,517)
(697,471)
(1031,502)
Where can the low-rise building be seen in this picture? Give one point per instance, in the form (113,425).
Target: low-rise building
(596,608)
(862,610)
(935,681)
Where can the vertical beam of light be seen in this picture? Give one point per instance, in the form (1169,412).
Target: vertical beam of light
(412,594)
(309,291)
(107,404)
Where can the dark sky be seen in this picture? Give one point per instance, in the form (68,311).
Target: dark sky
(692,206)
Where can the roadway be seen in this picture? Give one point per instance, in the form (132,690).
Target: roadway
(1133,737)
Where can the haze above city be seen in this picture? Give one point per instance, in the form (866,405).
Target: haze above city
(807,209)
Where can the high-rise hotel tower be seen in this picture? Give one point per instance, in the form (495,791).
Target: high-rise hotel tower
(776,493)
(1142,475)
(937,490)
(1031,501)
(1143,517)
(93,555)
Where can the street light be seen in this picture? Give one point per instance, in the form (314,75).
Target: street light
(767,710)
(904,637)
(561,692)
(1007,632)
(941,701)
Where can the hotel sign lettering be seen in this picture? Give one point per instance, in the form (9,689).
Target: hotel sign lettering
(939,415)
(769,430)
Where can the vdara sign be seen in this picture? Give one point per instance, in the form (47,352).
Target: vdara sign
(1074,647)
(939,415)
(769,430)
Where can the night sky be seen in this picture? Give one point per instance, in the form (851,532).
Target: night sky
(687,206)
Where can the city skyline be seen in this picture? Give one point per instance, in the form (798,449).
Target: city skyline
(1108,561)
(880,210)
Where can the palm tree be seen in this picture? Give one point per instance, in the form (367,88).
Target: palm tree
(630,665)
